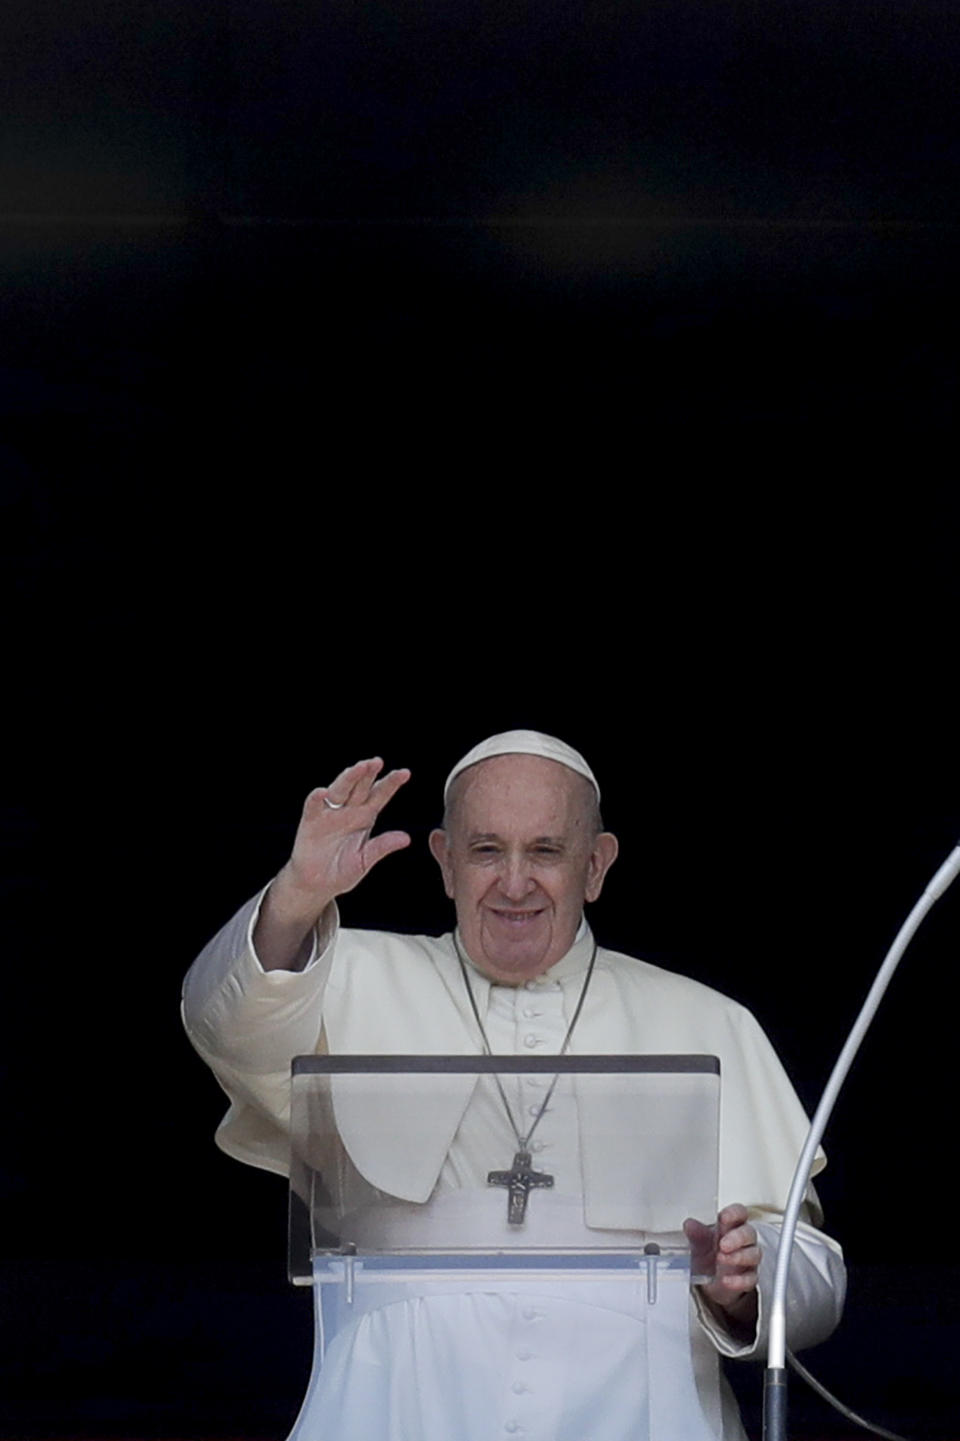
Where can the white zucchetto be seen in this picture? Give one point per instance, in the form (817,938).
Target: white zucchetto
(524,743)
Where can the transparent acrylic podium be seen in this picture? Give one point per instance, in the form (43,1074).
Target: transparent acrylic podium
(497,1245)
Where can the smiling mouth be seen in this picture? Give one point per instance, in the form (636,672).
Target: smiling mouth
(516,917)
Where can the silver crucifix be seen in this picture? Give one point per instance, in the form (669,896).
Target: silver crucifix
(519,1181)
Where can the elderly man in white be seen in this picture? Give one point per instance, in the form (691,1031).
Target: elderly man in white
(521,851)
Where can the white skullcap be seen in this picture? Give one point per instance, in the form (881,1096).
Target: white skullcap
(524,743)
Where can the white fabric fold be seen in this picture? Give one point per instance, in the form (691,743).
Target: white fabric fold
(381,993)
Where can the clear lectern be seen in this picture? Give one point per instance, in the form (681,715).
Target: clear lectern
(496,1244)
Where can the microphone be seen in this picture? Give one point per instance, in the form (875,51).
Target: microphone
(775,1377)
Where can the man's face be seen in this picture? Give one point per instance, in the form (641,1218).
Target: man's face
(519,860)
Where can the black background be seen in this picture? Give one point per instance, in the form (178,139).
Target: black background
(375,378)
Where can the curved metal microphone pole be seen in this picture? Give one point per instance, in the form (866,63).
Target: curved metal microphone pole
(775,1378)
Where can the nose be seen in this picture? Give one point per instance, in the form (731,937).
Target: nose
(516,882)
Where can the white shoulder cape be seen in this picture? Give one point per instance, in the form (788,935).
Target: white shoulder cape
(379,993)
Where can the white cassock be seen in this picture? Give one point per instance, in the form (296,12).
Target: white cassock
(542,1364)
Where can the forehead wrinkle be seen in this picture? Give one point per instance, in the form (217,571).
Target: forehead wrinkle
(557,784)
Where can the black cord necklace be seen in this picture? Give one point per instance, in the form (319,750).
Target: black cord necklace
(521,1178)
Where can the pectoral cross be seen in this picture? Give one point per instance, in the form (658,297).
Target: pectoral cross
(518,1180)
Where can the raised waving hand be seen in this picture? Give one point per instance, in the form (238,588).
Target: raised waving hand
(332,852)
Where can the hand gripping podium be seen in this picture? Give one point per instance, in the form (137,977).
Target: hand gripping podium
(496,1244)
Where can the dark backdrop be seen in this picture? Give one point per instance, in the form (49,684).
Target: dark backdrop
(374,378)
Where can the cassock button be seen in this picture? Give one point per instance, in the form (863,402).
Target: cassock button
(519,1387)
(530,1314)
(531,1041)
(523,1354)
(512,1426)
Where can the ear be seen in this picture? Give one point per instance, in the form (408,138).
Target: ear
(604,853)
(439,843)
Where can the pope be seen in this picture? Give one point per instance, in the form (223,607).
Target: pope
(521,851)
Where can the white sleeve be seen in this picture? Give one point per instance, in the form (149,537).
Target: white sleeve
(248,1024)
(816,1287)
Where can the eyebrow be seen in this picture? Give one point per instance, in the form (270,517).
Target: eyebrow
(537,840)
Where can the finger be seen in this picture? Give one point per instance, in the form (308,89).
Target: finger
(703,1249)
(352,786)
(387,786)
(315,807)
(338,793)
(731,1216)
(384,845)
(359,816)
(367,772)
(737,1240)
(745,1260)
